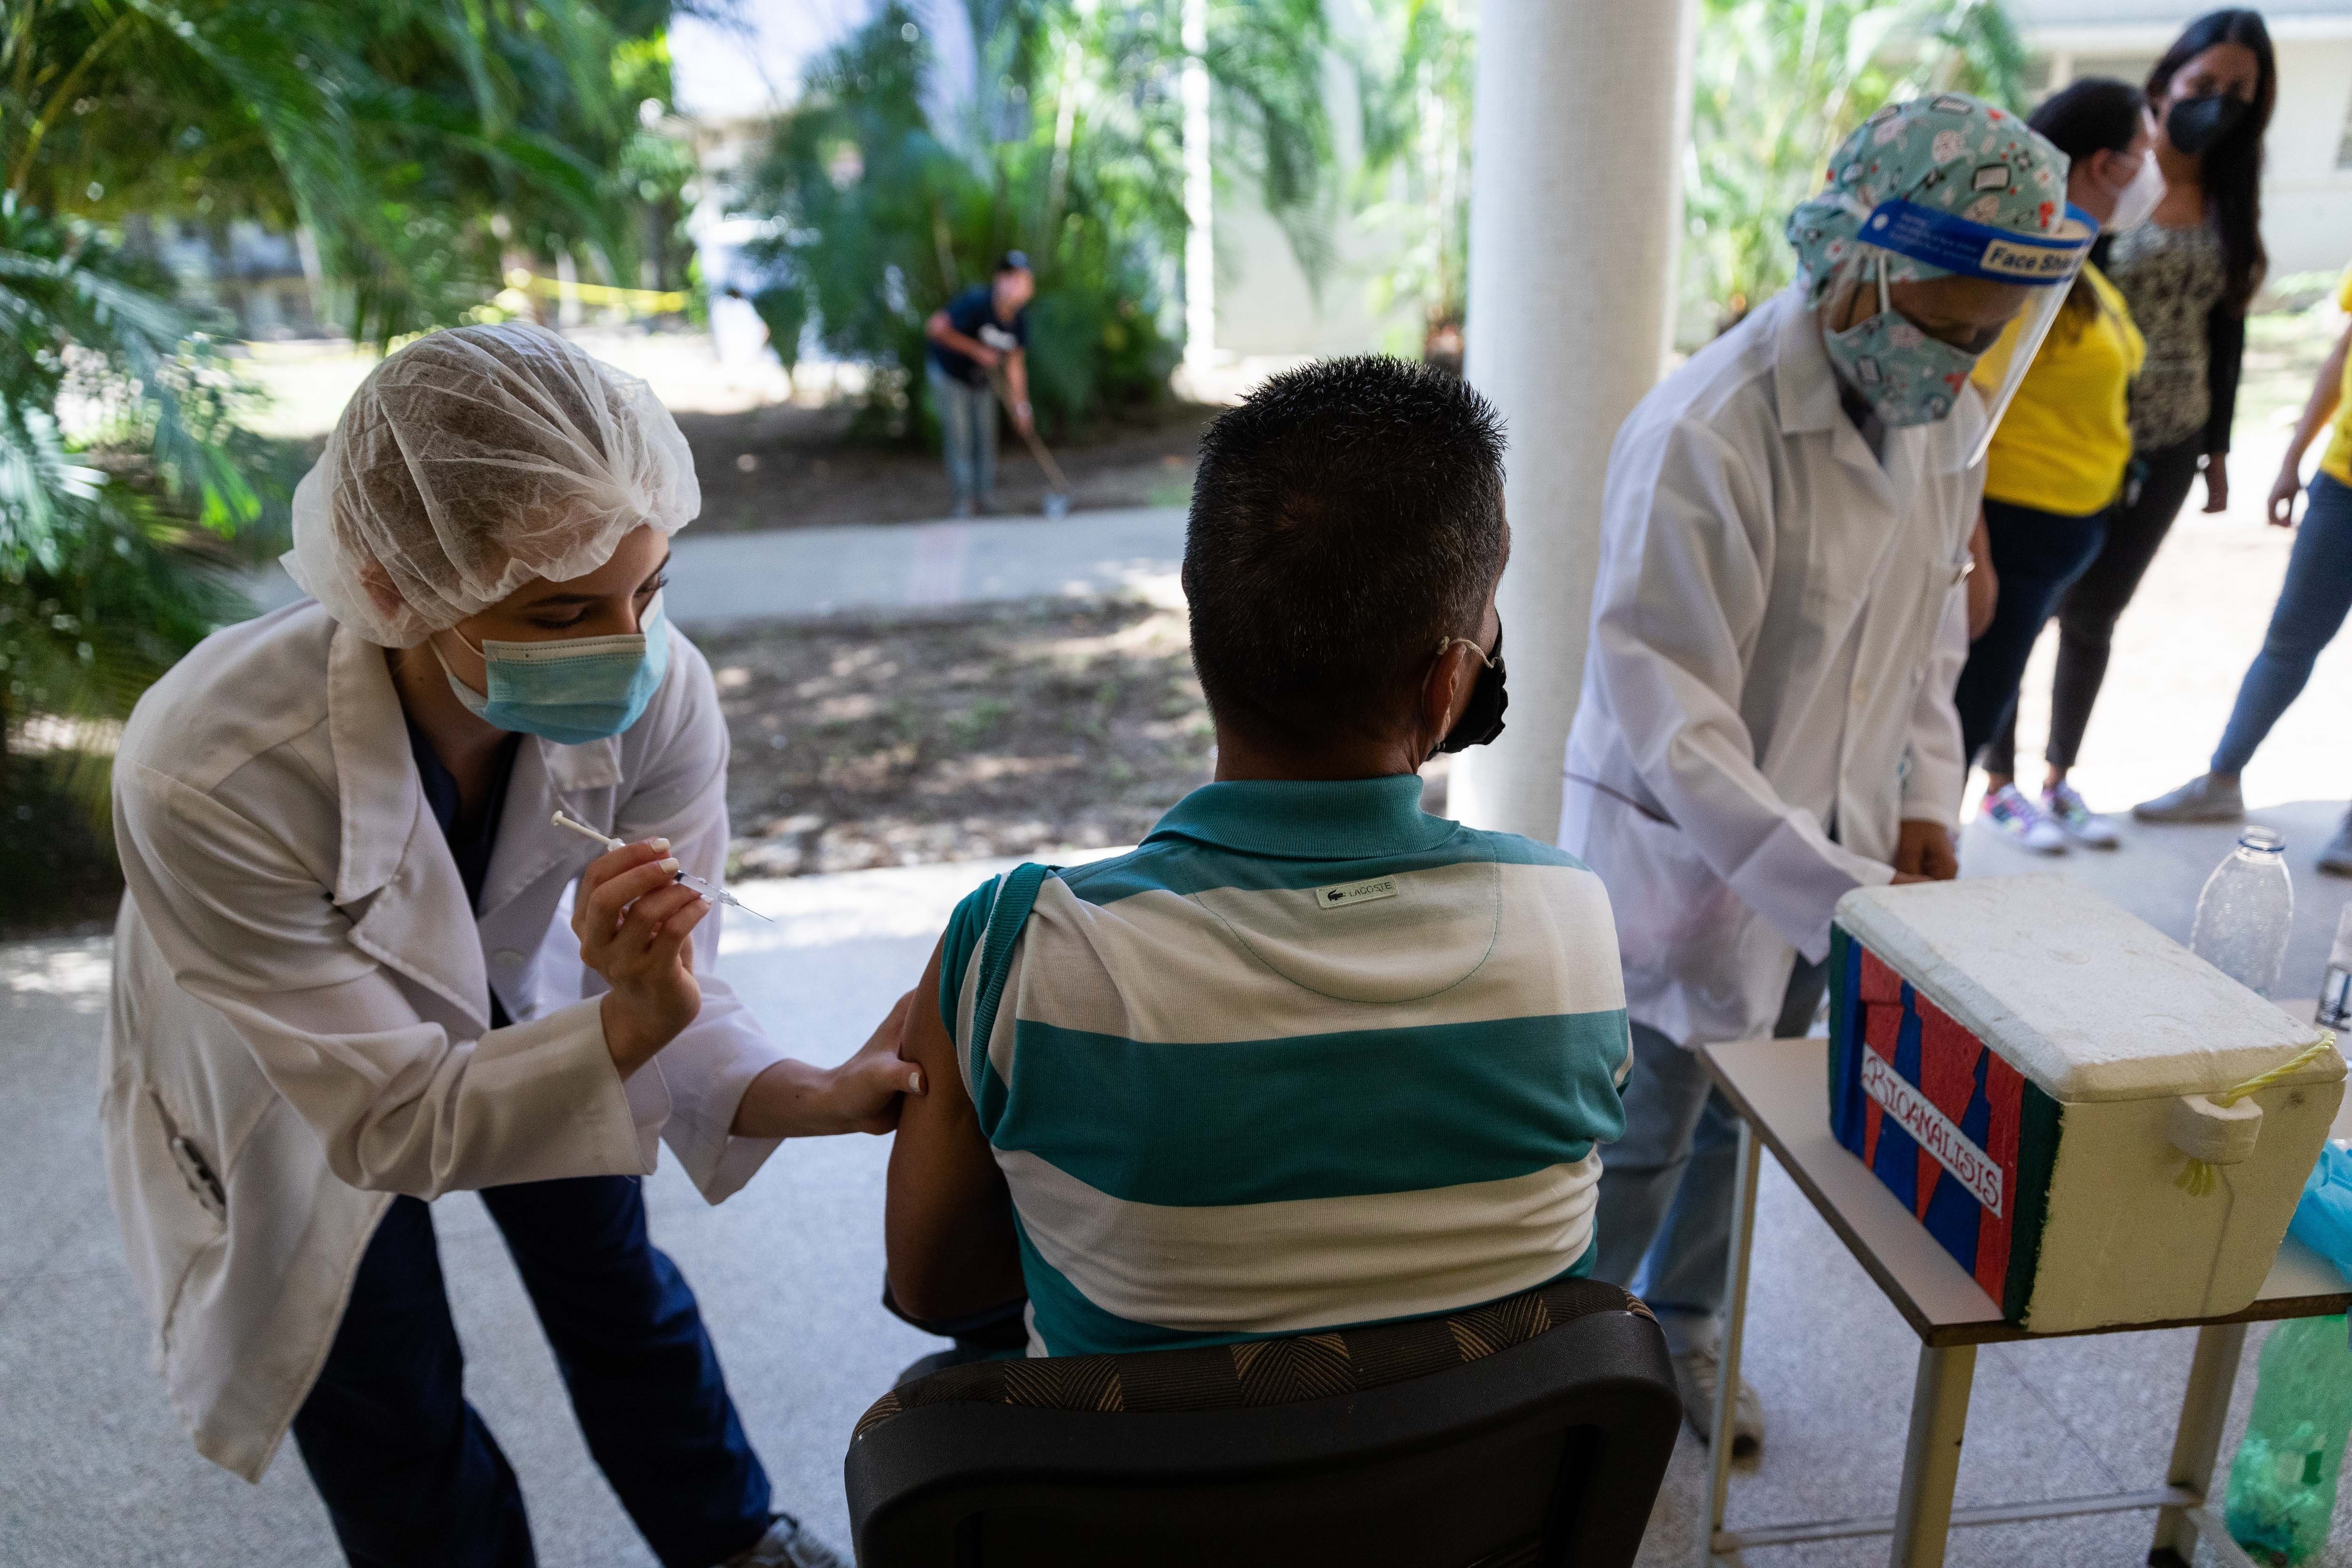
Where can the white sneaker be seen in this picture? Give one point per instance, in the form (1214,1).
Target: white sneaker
(2337,858)
(2022,820)
(2062,805)
(1698,1372)
(2202,799)
(787,1545)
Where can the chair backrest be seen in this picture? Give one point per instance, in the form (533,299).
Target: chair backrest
(1531,1433)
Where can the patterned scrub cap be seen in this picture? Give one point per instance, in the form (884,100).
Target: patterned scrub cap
(1949,152)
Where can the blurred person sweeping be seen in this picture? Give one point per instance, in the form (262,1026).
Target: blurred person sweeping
(2056,466)
(982,332)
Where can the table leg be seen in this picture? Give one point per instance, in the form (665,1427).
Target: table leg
(2197,1442)
(1931,1460)
(1735,1327)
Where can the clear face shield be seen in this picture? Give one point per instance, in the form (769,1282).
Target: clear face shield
(1922,365)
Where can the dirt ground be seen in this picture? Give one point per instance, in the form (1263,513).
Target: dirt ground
(783,466)
(1007,731)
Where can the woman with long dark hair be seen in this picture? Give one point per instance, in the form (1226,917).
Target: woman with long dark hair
(2187,274)
(2058,460)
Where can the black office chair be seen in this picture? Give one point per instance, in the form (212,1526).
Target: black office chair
(1531,1433)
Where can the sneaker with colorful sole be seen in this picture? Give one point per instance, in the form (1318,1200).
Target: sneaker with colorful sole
(2018,818)
(2062,805)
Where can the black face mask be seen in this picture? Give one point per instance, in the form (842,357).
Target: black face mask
(1482,720)
(2196,123)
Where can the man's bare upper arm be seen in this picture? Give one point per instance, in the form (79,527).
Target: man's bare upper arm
(948,1223)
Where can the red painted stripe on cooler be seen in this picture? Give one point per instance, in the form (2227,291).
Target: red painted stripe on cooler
(1882,1027)
(1878,982)
(1948,1060)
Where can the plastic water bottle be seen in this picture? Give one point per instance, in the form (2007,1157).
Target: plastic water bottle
(2282,1481)
(2245,912)
(2336,990)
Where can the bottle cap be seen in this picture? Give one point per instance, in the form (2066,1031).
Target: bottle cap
(2340,955)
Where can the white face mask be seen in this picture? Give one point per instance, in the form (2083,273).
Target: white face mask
(2138,200)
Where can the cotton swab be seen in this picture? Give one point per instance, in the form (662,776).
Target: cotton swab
(702,885)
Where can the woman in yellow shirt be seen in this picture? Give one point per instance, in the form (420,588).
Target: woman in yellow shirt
(2058,459)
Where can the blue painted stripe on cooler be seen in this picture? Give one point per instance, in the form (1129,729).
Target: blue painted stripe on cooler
(1897,1160)
(1314,1116)
(1070,1325)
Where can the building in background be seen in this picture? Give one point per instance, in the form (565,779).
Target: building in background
(250,281)
(2307,178)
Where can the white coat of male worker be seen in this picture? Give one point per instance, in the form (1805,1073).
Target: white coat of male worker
(359,966)
(1767,717)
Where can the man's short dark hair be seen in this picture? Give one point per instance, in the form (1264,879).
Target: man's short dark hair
(1345,519)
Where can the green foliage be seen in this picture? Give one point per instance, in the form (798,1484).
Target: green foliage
(421,143)
(423,146)
(113,533)
(1413,81)
(1777,85)
(881,207)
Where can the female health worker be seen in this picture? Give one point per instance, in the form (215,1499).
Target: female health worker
(345,982)
(1767,719)
(2056,467)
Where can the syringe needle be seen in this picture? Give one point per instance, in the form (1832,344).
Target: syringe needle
(702,885)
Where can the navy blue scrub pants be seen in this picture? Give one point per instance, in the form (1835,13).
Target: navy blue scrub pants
(410,1474)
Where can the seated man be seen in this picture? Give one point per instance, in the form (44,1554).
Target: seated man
(1309,1057)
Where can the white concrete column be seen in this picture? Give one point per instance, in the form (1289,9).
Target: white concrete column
(1582,109)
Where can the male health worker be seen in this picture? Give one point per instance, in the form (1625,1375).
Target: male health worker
(1767,714)
(345,982)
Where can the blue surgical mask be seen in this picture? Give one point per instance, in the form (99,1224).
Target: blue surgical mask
(1908,376)
(571,690)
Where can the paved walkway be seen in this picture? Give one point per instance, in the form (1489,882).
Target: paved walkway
(723,579)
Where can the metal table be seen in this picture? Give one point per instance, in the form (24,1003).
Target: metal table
(1780,1087)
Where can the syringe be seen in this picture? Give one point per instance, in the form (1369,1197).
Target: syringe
(702,885)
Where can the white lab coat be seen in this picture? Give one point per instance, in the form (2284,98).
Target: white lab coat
(300,1024)
(1777,629)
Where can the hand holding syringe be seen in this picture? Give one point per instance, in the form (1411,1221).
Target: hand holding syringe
(703,885)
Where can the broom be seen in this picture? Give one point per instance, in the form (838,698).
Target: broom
(1057,499)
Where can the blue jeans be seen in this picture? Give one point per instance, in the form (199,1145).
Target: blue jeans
(408,1470)
(2036,557)
(968,432)
(1664,1212)
(2311,604)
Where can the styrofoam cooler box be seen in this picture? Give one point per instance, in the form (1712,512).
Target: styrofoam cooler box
(2027,1068)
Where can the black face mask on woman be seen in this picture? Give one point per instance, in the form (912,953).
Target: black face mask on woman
(2196,123)
(1482,720)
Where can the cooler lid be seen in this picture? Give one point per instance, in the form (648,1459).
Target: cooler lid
(2085,1000)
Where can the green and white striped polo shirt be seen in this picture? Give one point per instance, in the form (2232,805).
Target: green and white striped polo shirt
(1307,1057)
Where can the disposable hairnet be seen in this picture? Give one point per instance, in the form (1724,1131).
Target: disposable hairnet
(472,461)
(1949,152)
